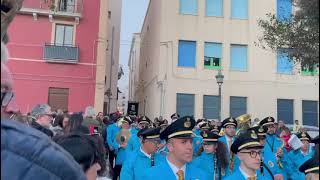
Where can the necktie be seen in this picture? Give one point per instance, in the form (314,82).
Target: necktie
(252,178)
(180,174)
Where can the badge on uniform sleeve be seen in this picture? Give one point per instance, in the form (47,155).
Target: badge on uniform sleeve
(187,124)
(270,163)
(253,135)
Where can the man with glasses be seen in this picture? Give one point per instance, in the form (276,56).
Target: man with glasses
(274,149)
(269,169)
(42,118)
(249,150)
(145,157)
(230,126)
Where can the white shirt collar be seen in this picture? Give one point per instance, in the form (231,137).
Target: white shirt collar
(146,154)
(246,176)
(175,169)
(229,138)
(308,152)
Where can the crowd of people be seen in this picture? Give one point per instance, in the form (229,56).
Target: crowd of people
(58,145)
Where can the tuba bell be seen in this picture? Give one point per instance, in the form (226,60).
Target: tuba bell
(123,136)
(244,123)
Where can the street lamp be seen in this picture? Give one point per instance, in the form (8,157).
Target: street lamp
(219,78)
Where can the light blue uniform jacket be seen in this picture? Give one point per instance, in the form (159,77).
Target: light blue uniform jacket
(164,172)
(136,165)
(206,163)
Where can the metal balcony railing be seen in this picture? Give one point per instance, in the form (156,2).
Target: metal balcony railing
(61,53)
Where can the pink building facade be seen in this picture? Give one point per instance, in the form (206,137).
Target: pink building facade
(53,54)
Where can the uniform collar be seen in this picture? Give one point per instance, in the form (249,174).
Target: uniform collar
(245,175)
(175,169)
(144,153)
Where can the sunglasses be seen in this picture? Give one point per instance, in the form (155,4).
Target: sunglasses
(6,97)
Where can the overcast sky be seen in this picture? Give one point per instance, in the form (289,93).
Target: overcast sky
(133,13)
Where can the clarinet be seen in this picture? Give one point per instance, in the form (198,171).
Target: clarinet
(261,167)
(215,168)
(152,159)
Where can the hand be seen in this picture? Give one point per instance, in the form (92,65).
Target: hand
(124,145)
(279,152)
(278,177)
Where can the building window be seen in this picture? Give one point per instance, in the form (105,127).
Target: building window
(284,9)
(189,7)
(67,5)
(212,55)
(214,8)
(211,107)
(187,54)
(284,64)
(239,9)
(238,106)
(285,110)
(58,98)
(310,71)
(63,35)
(185,104)
(238,58)
(310,113)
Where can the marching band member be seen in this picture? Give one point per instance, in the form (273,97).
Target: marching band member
(297,157)
(268,168)
(230,125)
(213,160)
(120,144)
(134,143)
(177,165)
(215,129)
(111,131)
(197,140)
(249,150)
(163,150)
(311,169)
(274,148)
(145,157)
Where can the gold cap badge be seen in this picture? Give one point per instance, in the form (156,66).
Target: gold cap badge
(187,123)
(260,129)
(253,135)
(205,135)
(269,119)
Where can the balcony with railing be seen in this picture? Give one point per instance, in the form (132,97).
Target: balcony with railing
(60,53)
(57,8)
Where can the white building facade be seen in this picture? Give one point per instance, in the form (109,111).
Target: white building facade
(112,62)
(185,42)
